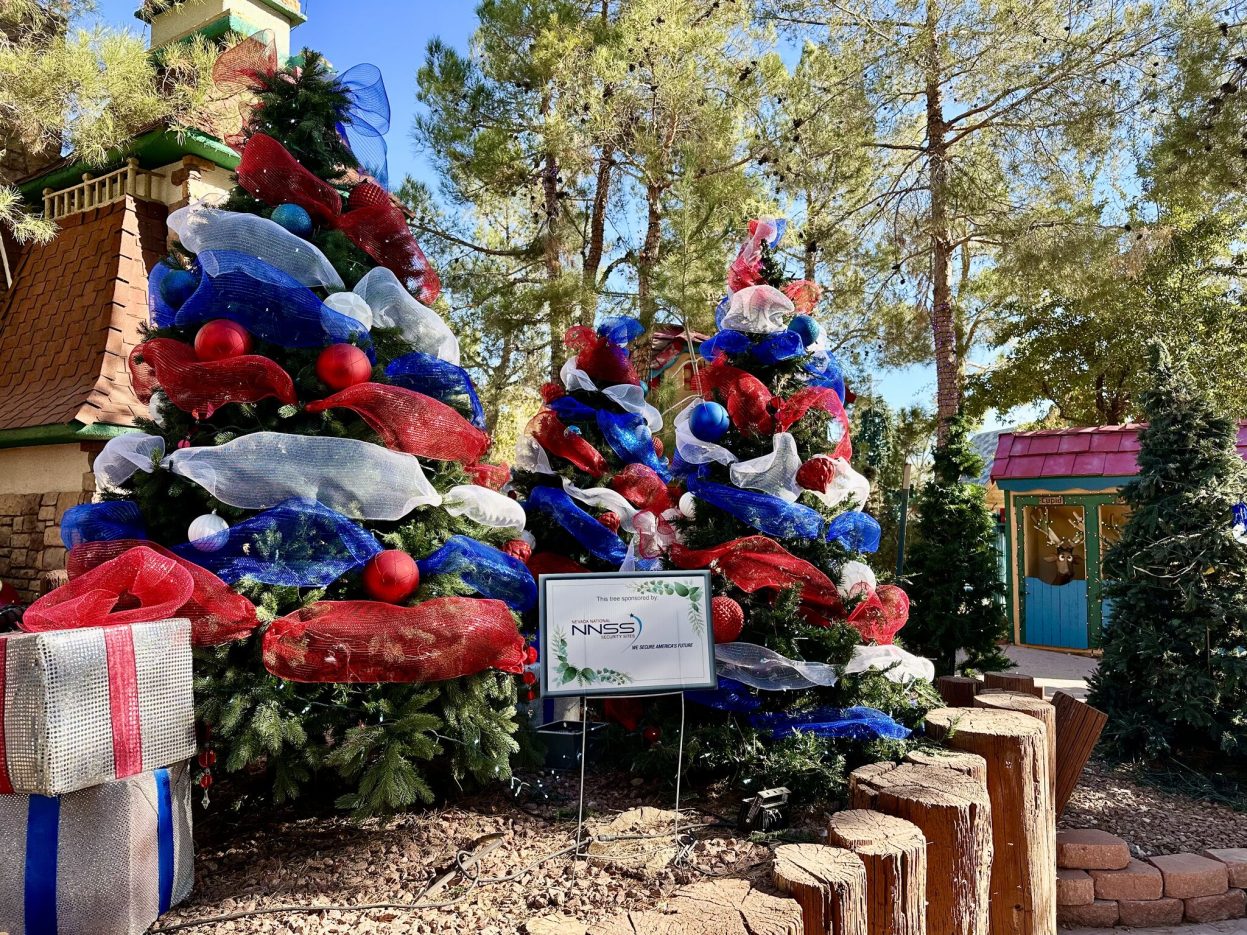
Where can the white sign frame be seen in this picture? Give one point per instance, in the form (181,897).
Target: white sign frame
(619,598)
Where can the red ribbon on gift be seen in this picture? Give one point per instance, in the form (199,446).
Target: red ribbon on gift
(556,438)
(371,219)
(201,387)
(799,403)
(881,615)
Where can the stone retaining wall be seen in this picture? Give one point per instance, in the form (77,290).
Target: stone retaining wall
(30,537)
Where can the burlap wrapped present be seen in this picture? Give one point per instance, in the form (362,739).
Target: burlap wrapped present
(82,707)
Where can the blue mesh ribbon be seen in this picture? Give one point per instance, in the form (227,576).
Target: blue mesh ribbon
(298,543)
(569,409)
(856,531)
(599,541)
(621,329)
(781,225)
(1239,515)
(270,304)
(631,439)
(722,309)
(160,313)
(102,522)
(774,348)
(727,342)
(730,696)
(825,370)
(856,723)
(763,512)
(488,571)
(367,120)
(438,378)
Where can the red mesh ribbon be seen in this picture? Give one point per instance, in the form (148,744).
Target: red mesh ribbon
(493,476)
(641,486)
(242,66)
(551,563)
(745,396)
(372,221)
(552,435)
(804,294)
(201,387)
(410,421)
(881,615)
(217,613)
(368,641)
(606,363)
(811,397)
(755,563)
(135,587)
(746,268)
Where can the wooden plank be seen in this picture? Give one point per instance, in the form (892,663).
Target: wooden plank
(1078,729)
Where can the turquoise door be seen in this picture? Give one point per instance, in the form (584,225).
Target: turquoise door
(1053,567)
(1056,615)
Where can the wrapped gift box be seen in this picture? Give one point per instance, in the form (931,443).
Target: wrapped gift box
(87,706)
(106,860)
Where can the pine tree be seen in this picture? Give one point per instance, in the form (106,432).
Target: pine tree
(953,568)
(380,745)
(1173,678)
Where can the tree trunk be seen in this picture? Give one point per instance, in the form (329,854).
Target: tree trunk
(828,883)
(1023,876)
(560,315)
(948,365)
(1040,710)
(953,812)
(894,853)
(597,235)
(647,262)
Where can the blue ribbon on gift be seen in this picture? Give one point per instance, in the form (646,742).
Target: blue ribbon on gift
(367,120)
(102,522)
(438,378)
(599,541)
(164,838)
(490,572)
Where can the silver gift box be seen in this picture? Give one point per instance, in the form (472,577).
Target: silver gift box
(83,707)
(103,861)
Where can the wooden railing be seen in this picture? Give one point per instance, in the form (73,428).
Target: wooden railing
(94,192)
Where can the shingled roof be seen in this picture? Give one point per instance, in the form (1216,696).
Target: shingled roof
(72,316)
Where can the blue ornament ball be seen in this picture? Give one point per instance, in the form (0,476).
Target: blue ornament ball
(709,422)
(807,328)
(294,219)
(177,286)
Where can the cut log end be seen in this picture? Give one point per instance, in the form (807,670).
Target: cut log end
(957,691)
(969,764)
(894,853)
(829,884)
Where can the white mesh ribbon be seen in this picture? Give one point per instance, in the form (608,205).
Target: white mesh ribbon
(758,310)
(691,448)
(530,456)
(200,227)
(896,664)
(632,399)
(775,473)
(125,454)
(484,506)
(355,478)
(603,498)
(574,378)
(846,486)
(765,669)
(352,306)
(855,578)
(394,307)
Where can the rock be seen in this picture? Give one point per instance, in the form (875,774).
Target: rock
(1091,849)
(643,839)
(554,925)
(1189,876)
(1235,860)
(1101,914)
(1136,881)
(1232,904)
(1074,888)
(1163,911)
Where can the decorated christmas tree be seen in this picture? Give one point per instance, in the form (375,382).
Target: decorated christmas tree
(314,444)
(1173,679)
(811,680)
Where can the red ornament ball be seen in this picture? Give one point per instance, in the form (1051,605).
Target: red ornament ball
(205,781)
(609,520)
(530,678)
(343,365)
(652,735)
(518,548)
(207,758)
(391,576)
(530,654)
(529,695)
(817,473)
(222,339)
(727,619)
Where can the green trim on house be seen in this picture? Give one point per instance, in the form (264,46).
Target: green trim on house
(1023,484)
(296,18)
(60,434)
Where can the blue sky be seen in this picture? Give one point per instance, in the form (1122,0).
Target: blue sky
(374,31)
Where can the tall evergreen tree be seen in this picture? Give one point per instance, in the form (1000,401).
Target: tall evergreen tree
(1173,679)
(954,576)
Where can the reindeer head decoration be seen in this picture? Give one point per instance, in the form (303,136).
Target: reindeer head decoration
(1065,546)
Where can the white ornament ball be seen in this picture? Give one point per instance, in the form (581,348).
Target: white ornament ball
(207,533)
(528,537)
(157,408)
(688,505)
(855,578)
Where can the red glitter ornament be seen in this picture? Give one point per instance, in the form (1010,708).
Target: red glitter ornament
(343,365)
(529,695)
(727,619)
(207,758)
(518,548)
(817,473)
(530,678)
(222,339)
(205,781)
(530,654)
(652,735)
(609,520)
(391,576)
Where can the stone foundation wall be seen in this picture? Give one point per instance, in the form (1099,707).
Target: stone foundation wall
(30,537)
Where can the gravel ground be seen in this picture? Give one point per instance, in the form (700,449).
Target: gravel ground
(1151,820)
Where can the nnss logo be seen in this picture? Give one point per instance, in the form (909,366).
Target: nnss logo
(627,628)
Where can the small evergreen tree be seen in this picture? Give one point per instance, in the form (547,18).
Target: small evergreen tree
(1173,679)
(954,577)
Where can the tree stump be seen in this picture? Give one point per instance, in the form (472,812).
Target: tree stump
(829,883)
(894,852)
(954,814)
(1078,728)
(1032,707)
(957,691)
(725,906)
(1023,878)
(969,764)
(1005,681)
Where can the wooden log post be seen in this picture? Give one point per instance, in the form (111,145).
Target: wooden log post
(957,691)
(969,764)
(1032,707)
(1078,728)
(954,814)
(894,852)
(1008,682)
(1023,877)
(828,882)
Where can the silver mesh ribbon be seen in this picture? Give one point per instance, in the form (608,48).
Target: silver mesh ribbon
(59,712)
(105,861)
(764,669)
